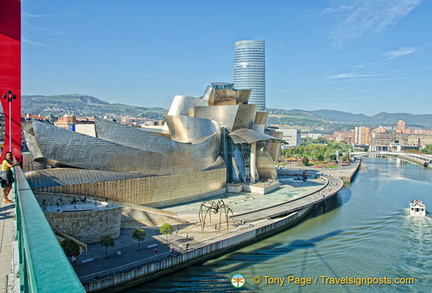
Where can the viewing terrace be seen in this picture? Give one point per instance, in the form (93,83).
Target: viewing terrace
(41,265)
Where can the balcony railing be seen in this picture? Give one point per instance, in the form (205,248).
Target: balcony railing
(43,266)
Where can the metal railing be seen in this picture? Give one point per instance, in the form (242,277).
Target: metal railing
(43,266)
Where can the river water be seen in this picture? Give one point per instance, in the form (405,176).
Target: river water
(363,232)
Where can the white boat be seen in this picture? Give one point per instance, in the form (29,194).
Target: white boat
(417,208)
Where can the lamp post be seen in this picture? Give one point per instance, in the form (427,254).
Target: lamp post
(10,96)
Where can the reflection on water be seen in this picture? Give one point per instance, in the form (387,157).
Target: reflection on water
(364,232)
(418,243)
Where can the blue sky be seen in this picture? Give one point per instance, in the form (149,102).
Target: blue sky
(359,56)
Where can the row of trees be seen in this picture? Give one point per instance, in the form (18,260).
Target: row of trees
(319,149)
(70,247)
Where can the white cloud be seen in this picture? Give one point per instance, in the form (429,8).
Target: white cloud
(393,54)
(27,41)
(30,15)
(362,17)
(347,75)
(364,65)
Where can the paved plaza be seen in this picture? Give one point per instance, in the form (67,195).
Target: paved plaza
(125,253)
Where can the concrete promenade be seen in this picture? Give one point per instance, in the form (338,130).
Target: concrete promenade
(7,237)
(189,233)
(251,212)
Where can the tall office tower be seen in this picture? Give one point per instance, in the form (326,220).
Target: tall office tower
(249,70)
(362,135)
(400,126)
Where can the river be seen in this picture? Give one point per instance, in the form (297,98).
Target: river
(364,232)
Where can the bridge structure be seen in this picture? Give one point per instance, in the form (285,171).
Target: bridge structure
(423,159)
(31,258)
(10,74)
(35,262)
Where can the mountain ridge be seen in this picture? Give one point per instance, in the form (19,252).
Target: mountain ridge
(84,105)
(320,120)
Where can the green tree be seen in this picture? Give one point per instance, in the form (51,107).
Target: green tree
(166,229)
(106,241)
(427,149)
(305,160)
(343,158)
(139,234)
(70,247)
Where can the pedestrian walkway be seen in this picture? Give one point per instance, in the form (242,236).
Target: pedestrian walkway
(7,237)
(125,255)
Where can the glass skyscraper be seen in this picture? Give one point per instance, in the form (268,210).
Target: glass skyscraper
(249,70)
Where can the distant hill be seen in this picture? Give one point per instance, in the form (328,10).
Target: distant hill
(343,117)
(82,106)
(297,118)
(322,121)
(412,120)
(383,118)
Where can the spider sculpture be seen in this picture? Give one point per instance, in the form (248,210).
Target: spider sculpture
(211,207)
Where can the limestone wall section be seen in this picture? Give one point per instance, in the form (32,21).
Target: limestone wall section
(87,226)
(130,217)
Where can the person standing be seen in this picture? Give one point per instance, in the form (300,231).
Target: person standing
(7,175)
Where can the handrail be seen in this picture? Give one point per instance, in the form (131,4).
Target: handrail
(43,266)
(126,267)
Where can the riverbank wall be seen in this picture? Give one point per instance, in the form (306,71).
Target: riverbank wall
(227,243)
(278,218)
(412,160)
(348,177)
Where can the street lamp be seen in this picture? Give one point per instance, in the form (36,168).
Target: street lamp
(10,96)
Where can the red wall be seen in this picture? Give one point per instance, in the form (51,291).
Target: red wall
(10,72)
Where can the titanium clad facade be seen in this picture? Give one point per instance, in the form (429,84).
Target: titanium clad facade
(249,70)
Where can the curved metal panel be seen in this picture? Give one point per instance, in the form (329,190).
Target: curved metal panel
(265,166)
(67,176)
(274,147)
(224,97)
(243,96)
(261,117)
(259,127)
(191,129)
(250,136)
(181,105)
(231,117)
(218,164)
(209,93)
(122,150)
(69,148)
(224,115)
(245,116)
(181,156)
(184,106)
(132,137)
(239,163)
